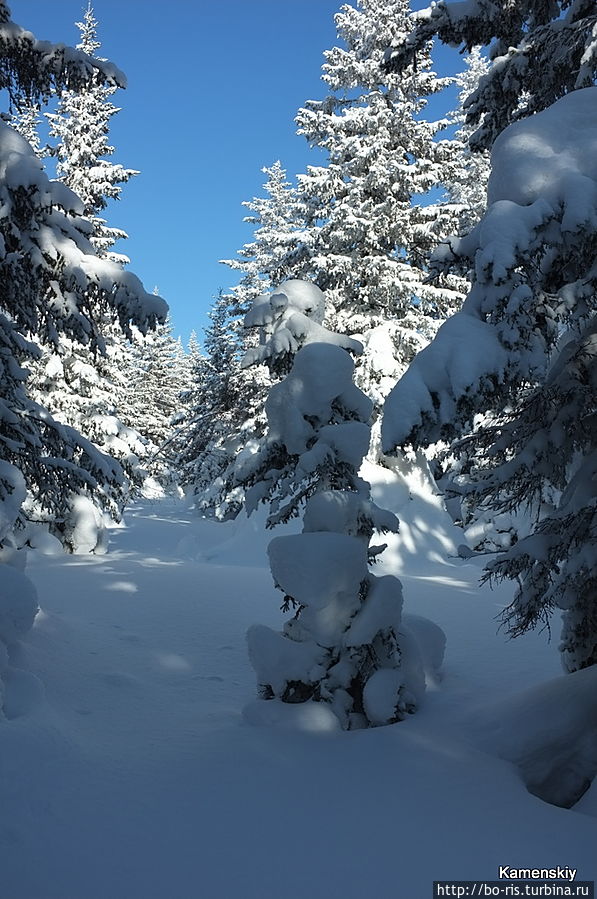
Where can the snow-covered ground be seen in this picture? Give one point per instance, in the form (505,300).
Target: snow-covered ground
(128,770)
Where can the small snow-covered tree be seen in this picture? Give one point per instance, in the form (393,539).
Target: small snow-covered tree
(158,379)
(343,645)
(287,319)
(213,406)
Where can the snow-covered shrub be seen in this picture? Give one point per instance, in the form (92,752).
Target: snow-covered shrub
(343,644)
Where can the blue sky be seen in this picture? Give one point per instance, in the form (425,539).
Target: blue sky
(213,89)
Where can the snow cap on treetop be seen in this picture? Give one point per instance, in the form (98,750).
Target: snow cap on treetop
(301,296)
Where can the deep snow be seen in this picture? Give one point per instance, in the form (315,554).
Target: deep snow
(133,774)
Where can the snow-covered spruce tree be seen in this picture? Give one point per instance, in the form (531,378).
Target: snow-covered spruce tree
(466,187)
(214,405)
(222,411)
(51,283)
(343,645)
(540,50)
(53,287)
(34,70)
(277,250)
(182,442)
(90,392)
(528,326)
(226,431)
(81,127)
(465,203)
(27,122)
(81,388)
(189,399)
(158,378)
(371,236)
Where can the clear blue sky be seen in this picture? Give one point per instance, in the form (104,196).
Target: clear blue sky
(213,89)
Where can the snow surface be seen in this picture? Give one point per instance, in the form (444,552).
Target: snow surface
(130,771)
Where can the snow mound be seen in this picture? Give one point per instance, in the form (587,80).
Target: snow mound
(18,604)
(550,733)
(85,530)
(23,693)
(431,644)
(313,717)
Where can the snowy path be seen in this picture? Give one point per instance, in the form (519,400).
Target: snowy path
(132,775)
